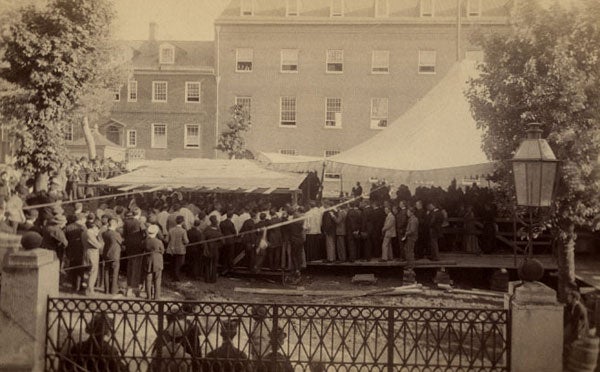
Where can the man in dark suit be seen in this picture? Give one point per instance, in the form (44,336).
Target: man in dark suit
(228,230)
(436,219)
(354,222)
(367,230)
(194,249)
(275,241)
(212,246)
(379,217)
(113,242)
(75,251)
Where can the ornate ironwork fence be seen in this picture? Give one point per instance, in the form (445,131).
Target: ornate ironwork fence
(137,335)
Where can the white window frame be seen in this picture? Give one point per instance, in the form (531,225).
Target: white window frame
(378,118)
(378,4)
(287,8)
(117,94)
(329,153)
(152,143)
(237,98)
(237,60)
(130,90)
(470,13)
(338,125)
(327,62)
(185,137)
(422,64)
(243,8)
(154,84)
(281,111)
(68,133)
(373,67)
(281,64)
(432,6)
(332,10)
(289,152)
(161,57)
(129,137)
(187,84)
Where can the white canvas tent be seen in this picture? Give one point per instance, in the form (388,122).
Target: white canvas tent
(433,143)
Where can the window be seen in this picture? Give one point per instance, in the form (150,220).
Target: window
(380,63)
(167,54)
(132,91)
(292,8)
(117,94)
(426,61)
(131,138)
(192,91)
(473,8)
(247,8)
(426,8)
(289,60)
(337,8)
(244,57)
(329,153)
(381,8)
(68,132)
(245,102)
(288,152)
(333,118)
(288,112)
(192,136)
(335,61)
(159,91)
(379,113)
(159,136)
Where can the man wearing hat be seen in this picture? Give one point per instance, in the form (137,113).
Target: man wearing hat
(276,361)
(211,248)
(113,243)
(227,358)
(54,238)
(75,250)
(153,262)
(133,235)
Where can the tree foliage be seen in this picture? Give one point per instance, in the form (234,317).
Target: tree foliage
(232,142)
(61,66)
(546,69)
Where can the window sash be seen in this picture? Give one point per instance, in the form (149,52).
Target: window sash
(335,60)
(192,92)
(427,61)
(167,55)
(131,138)
(117,94)
(192,136)
(380,61)
(379,112)
(291,152)
(244,59)
(245,102)
(288,111)
(289,60)
(159,136)
(334,112)
(132,91)
(159,91)
(68,132)
(329,153)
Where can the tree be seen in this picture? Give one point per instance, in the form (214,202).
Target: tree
(232,142)
(62,71)
(546,69)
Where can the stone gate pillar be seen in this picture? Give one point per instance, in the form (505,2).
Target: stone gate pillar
(28,278)
(536,328)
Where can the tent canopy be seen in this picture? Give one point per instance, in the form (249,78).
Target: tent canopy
(207,175)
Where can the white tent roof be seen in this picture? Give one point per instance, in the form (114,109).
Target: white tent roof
(437,132)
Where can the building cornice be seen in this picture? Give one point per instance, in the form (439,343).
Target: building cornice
(287,21)
(174,71)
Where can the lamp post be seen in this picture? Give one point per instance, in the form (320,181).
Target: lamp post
(535,170)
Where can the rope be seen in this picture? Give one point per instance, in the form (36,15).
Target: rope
(100,197)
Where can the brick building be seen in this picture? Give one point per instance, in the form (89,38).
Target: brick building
(320,76)
(167,109)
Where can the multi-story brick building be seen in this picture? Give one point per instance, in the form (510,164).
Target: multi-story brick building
(167,109)
(320,76)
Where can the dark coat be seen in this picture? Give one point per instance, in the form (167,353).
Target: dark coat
(93,355)
(274,235)
(401,221)
(133,235)
(75,251)
(354,221)
(113,243)
(212,247)
(53,238)
(228,229)
(250,238)
(328,226)
(436,219)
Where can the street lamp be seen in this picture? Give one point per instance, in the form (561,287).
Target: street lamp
(535,169)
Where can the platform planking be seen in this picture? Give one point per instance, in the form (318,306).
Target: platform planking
(450,260)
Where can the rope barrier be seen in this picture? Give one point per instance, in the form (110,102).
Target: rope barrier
(100,197)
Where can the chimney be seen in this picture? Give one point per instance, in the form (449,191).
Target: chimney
(153,29)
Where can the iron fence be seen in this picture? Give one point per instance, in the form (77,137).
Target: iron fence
(137,335)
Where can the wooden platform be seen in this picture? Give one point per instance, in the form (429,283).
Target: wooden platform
(449,260)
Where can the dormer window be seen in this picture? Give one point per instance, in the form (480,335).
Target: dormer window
(292,8)
(337,8)
(381,8)
(247,8)
(473,8)
(427,8)
(167,54)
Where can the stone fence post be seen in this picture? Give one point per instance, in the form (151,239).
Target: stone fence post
(28,278)
(536,328)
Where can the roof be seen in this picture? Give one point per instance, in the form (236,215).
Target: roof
(188,54)
(207,175)
(99,140)
(355,10)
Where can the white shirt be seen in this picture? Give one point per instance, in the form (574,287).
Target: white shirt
(314,218)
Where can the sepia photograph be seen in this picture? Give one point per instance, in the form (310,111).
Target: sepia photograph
(299,185)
